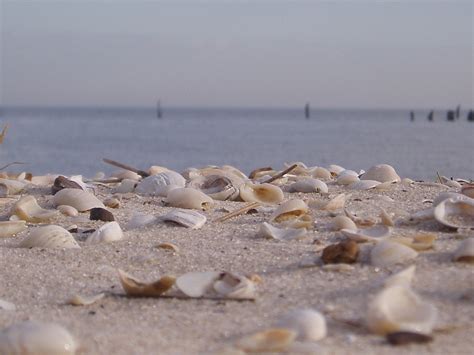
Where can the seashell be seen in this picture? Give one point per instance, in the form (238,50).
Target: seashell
(10,228)
(61,182)
(126,174)
(360,221)
(445,195)
(386,219)
(465,251)
(139,221)
(371,234)
(160,184)
(363,185)
(468,190)
(234,171)
(301,168)
(308,185)
(335,170)
(308,324)
(289,210)
(398,308)
(190,173)
(262,193)
(407,181)
(43,180)
(67,210)
(218,187)
(155,169)
(423,215)
(381,173)
(258,173)
(13,187)
(422,241)
(384,186)
(101,214)
(455,212)
(234,286)
(79,300)
(186,218)
(3,190)
(335,203)
(28,210)
(321,173)
(197,284)
(387,253)
(186,197)
(168,246)
(49,237)
(267,341)
(401,278)
(126,186)
(112,202)
(451,183)
(7,306)
(109,232)
(39,338)
(136,288)
(342,222)
(338,267)
(347,179)
(270,232)
(79,199)
(344,252)
(303,221)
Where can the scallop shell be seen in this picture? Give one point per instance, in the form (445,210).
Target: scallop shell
(67,210)
(364,185)
(309,185)
(218,187)
(37,338)
(49,237)
(456,212)
(160,184)
(267,341)
(262,193)
(186,197)
(289,210)
(381,173)
(342,222)
(270,232)
(387,253)
(27,209)
(126,186)
(465,251)
(321,173)
(401,278)
(187,218)
(10,228)
(136,288)
(308,324)
(398,308)
(234,286)
(371,234)
(79,199)
(109,232)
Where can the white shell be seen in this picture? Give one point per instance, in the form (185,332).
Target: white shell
(347,179)
(386,218)
(372,234)
(283,234)
(301,168)
(289,210)
(185,197)
(67,210)
(156,169)
(445,195)
(335,169)
(456,212)
(234,286)
(468,190)
(27,209)
(309,324)
(342,222)
(49,237)
(196,284)
(79,199)
(126,174)
(79,300)
(308,185)
(381,173)
(37,338)
(263,193)
(364,185)
(139,220)
(7,306)
(109,232)
(222,187)
(387,253)
(187,218)
(160,184)
(10,228)
(398,308)
(401,278)
(336,203)
(321,173)
(112,202)
(465,251)
(126,186)
(13,186)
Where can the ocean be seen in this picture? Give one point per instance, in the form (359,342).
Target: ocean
(74,141)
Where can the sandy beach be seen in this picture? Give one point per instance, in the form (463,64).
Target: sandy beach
(291,275)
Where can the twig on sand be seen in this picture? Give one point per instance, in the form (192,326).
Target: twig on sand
(281,174)
(240,211)
(10,164)
(126,167)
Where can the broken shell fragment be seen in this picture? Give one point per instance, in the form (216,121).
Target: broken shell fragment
(39,338)
(101,214)
(371,234)
(234,286)
(381,173)
(343,252)
(10,228)
(186,197)
(303,221)
(136,288)
(109,232)
(186,218)
(262,193)
(49,237)
(308,324)
(12,187)
(333,204)
(112,202)
(421,241)
(309,185)
(283,234)
(289,210)
(126,186)
(465,251)
(387,219)
(28,209)
(160,184)
(360,221)
(168,246)
(387,253)
(398,308)
(342,222)
(267,341)
(79,300)
(456,212)
(79,199)
(67,210)
(221,187)
(62,182)
(401,278)
(468,190)
(196,284)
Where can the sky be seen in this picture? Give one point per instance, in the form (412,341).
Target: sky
(334,54)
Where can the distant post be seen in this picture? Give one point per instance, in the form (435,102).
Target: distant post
(159,113)
(412,116)
(307,111)
(470,116)
(458,111)
(450,115)
(430,116)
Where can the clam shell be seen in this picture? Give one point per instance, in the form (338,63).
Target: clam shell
(37,338)
(267,341)
(109,232)
(456,212)
(301,168)
(371,234)
(364,185)
(289,210)
(262,193)
(13,186)
(387,253)
(187,218)
(136,288)
(465,251)
(347,179)
(49,237)
(335,170)
(126,186)
(79,199)
(197,284)
(342,222)
(398,308)
(27,209)
(308,324)
(126,174)
(234,286)
(160,184)
(79,300)
(401,278)
(67,210)
(218,187)
(321,173)
(270,232)
(309,185)
(10,228)
(381,173)
(335,203)
(186,197)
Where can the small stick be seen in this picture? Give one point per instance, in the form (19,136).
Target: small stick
(238,212)
(106,181)
(439,178)
(9,164)
(126,167)
(281,174)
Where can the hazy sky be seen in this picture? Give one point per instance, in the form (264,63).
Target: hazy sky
(406,53)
